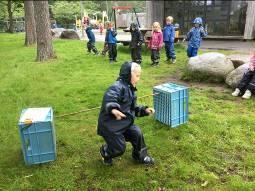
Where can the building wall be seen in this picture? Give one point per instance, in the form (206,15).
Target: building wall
(154,12)
(231,26)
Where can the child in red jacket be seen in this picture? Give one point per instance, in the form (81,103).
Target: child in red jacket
(247,85)
(155,43)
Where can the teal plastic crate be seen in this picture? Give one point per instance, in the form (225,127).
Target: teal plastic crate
(37,135)
(171,104)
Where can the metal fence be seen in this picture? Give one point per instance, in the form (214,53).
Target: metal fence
(18,26)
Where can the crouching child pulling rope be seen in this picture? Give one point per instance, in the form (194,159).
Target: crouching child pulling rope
(117,115)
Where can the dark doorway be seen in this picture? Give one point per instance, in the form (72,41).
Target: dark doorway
(222,17)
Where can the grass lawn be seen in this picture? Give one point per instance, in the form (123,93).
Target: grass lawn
(215,150)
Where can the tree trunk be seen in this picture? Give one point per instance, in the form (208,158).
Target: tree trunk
(43,32)
(9,7)
(29,23)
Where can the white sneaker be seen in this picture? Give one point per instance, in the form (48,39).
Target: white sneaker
(247,94)
(236,92)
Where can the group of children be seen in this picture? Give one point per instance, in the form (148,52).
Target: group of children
(155,44)
(110,41)
(119,108)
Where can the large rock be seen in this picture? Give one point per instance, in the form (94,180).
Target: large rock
(69,34)
(239,59)
(56,32)
(234,77)
(211,64)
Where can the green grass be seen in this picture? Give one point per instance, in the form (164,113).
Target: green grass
(217,145)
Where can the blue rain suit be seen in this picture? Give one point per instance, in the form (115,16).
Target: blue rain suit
(110,39)
(92,40)
(168,38)
(194,36)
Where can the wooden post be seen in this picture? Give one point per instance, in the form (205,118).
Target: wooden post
(148,14)
(155,12)
(249,32)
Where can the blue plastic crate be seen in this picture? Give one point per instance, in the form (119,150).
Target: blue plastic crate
(171,104)
(38,137)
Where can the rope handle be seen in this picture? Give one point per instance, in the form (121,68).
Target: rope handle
(27,123)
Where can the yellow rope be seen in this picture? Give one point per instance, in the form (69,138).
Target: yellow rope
(81,111)
(94,108)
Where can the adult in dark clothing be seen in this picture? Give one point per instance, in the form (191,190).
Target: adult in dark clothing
(110,39)
(117,115)
(92,40)
(136,43)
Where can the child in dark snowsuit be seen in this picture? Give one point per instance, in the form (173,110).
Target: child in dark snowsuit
(92,40)
(168,38)
(136,43)
(247,84)
(110,39)
(155,43)
(117,115)
(194,36)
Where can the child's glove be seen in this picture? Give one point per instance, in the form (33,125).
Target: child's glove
(150,111)
(119,115)
(139,44)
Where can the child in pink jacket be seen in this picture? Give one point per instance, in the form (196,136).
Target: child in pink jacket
(247,85)
(156,43)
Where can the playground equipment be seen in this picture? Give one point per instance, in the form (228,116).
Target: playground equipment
(118,8)
(18,25)
(146,32)
(78,24)
(113,18)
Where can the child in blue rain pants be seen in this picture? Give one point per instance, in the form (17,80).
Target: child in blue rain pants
(194,36)
(92,40)
(110,39)
(168,38)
